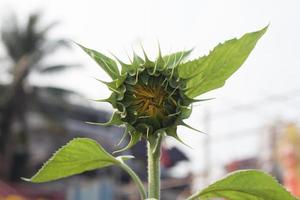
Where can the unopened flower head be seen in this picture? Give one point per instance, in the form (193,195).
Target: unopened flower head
(151,98)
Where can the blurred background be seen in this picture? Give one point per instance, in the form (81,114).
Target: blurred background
(46,83)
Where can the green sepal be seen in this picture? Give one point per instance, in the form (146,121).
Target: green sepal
(128,100)
(77,156)
(158,136)
(210,72)
(187,101)
(118,82)
(120,92)
(115,120)
(159,64)
(122,109)
(106,63)
(137,74)
(125,134)
(188,126)
(144,78)
(131,117)
(185,112)
(127,68)
(172,132)
(135,137)
(174,59)
(145,129)
(137,61)
(116,86)
(112,99)
(148,62)
(174,83)
(201,100)
(151,124)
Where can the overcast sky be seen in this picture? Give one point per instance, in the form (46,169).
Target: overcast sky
(118,26)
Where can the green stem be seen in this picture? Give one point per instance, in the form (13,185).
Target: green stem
(135,178)
(154,168)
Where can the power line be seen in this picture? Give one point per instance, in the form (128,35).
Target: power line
(254,106)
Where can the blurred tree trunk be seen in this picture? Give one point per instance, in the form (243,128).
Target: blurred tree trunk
(13,108)
(26,45)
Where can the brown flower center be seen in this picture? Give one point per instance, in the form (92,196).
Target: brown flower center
(150,100)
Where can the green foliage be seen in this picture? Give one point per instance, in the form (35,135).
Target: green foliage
(79,155)
(210,72)
(248,184)
(151,99)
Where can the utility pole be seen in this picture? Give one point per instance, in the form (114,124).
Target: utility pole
(207,148)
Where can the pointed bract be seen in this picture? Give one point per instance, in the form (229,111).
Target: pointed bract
(106,63)
(173,133)
(114,120)
(135,137)
(174,59)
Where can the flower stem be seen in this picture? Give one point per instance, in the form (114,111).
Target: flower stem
(136,179)
(154,169)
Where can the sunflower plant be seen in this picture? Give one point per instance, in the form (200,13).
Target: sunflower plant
(151,99)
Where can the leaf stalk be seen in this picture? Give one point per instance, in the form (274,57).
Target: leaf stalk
(135,178)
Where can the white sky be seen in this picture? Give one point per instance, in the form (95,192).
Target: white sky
(119,26)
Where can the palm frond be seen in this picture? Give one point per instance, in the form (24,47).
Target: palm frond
(56,68)
(29,39)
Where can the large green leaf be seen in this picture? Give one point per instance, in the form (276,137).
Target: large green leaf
(79,155)
(248,184)
(211,72)
(106,63)
(191,68)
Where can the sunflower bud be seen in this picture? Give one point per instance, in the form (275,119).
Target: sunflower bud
(152,98)
(152,101)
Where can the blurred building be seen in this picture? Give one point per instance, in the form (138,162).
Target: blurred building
(288,154)
(54,117)
(248,163)
(279,156)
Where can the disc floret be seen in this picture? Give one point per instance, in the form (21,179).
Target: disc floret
(151,102)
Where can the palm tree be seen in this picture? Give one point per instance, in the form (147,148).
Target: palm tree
(26,46)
